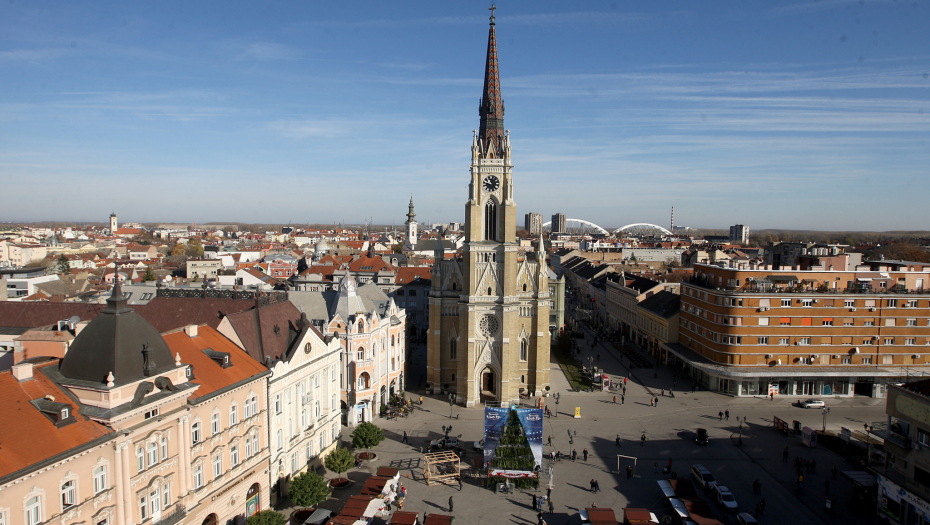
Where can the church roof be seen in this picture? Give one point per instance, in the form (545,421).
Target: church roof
(491,111)
(117,341)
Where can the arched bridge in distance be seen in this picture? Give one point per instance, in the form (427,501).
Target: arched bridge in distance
(583,227)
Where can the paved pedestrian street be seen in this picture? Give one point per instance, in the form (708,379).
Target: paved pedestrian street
(670,430)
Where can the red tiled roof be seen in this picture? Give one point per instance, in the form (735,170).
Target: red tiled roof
(209,374)
(274,343)
(377,264)
(26,435)
(408,274)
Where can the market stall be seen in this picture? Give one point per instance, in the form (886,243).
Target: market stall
(441,466)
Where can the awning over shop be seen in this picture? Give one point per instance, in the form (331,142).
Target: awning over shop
(783,278)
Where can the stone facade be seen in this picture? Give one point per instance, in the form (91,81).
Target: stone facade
(489,311)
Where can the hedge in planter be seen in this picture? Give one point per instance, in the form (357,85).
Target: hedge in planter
(266,517)
(513,452)
(308,489)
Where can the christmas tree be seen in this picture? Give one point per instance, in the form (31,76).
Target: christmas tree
(513,453)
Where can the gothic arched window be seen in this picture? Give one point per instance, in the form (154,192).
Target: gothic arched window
(453,351)
(490,221)
(524,349)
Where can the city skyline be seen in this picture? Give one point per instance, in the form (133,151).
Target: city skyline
(796,115)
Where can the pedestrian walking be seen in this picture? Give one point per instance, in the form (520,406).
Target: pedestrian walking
(800,481)
(548,495)
(622,397)
(591,484)
(574,454)
(642,440)
(727,415)
(405,438)
(624,387)
(656,402)
(720,415)
(450,503)
(615,400)
(771,396)
(618,440)
(551,507)
(669,465)
(550,441)
(585,454)
(629,472)
(663,392)
(597,486)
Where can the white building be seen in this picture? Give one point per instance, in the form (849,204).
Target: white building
(739,233)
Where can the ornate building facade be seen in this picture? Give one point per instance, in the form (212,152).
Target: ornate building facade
(489,311)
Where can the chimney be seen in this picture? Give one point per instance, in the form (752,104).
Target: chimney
(191,330)
(22,371)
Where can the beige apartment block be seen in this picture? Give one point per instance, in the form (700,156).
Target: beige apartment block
(761,332)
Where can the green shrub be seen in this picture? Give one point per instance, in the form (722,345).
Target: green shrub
(308,489)
(266,517)
(367,435)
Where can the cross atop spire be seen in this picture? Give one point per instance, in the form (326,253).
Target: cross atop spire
(491,131)
(491,9)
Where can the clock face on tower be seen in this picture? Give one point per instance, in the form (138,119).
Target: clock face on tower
(491,183)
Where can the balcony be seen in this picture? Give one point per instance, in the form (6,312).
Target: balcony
(894,434)
(176,515)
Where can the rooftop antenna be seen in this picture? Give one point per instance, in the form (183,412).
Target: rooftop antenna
(673,220)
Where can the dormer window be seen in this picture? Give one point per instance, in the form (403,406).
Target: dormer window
(221,358)
(65,413)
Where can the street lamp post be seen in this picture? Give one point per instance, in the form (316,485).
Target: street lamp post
(557,404)
(868,437)
(740,421)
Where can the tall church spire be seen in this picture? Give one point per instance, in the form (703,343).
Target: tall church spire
(491,132)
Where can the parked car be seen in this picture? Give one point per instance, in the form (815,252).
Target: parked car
(701,437)
(812,403)
(725,498)
(702,477)
(444,443)
(745,518)
(478,446)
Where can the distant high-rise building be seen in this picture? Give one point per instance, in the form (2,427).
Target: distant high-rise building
(558,223)
(739,233)
(113,222)
(533,223)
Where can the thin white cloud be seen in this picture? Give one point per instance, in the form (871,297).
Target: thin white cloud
(33,55)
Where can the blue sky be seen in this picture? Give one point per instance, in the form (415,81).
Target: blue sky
(799,114)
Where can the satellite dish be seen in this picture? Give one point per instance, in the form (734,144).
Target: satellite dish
(75,319)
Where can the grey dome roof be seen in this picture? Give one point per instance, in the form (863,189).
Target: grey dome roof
(117,341)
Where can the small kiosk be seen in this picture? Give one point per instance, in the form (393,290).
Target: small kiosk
(441,466)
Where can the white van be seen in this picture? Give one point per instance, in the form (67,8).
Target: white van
(702,477)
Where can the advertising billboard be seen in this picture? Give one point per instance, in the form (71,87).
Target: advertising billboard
(521,431)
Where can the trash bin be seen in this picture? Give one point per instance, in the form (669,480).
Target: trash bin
(828,505)
(796,425)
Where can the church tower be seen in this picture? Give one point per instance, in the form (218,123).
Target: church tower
(113,223)
(489,311)
(411,228)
